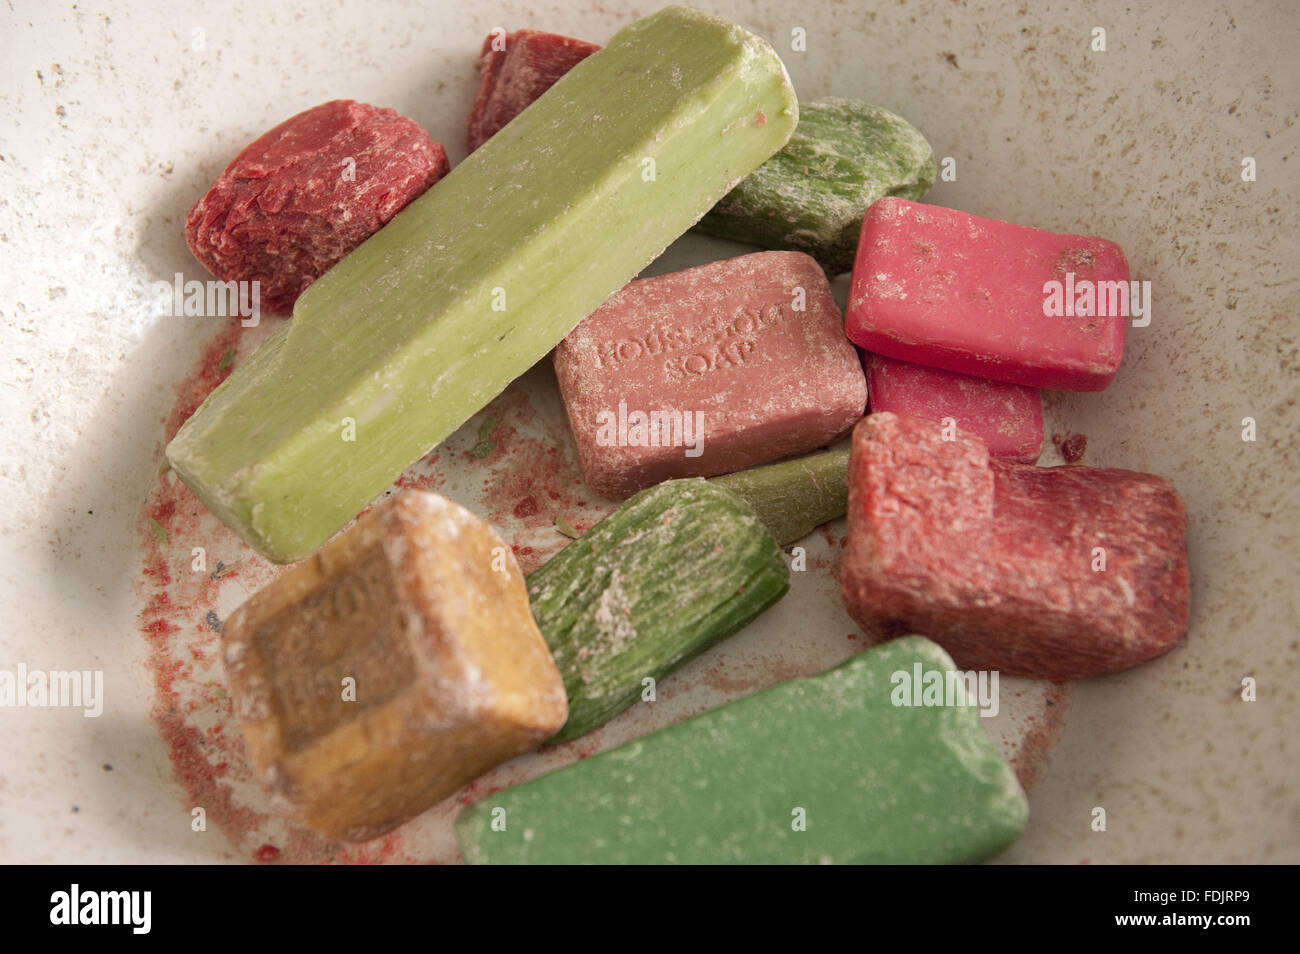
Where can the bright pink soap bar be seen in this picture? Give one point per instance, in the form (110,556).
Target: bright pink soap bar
(708,371)
(1008,418)
(945,289)
(1046,572)
(510,79)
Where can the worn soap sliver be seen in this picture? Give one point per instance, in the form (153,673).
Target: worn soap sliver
(793,497)
(670,572)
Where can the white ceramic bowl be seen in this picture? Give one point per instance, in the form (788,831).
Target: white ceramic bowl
(116,120)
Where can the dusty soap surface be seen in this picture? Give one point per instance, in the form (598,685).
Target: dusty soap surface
(397,664)
(472,283)
(812,195)
(672,571)
(817,770)
(748,353)
(794,497)
(1046,572)
(950,290)
(1008,418)
(511,78)
(306,193)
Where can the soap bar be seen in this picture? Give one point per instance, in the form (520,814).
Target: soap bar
(672,571)
(1046,572)
(396,665)
(707,371)
(474,282)
(511,78)
(306,193)
(816,770)
(794,497)
(812,195)
(1008,418)
(949,290)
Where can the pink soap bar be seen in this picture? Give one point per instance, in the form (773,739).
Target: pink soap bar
(708,371)
(1008,418)
(510,79)
(1046,572)
(945,289)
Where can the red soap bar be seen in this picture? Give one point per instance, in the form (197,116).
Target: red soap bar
(1047,572)
(510,79)
(1008,418)
(735,363)
(308,192)
(945,289)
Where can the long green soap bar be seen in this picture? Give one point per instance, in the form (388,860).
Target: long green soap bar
(469,285)
(817,770)
(812,195)
(794,497)
(676,568)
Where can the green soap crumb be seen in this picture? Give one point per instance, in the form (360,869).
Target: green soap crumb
(159,532)
(227,359)
(566,528)
(485,445)
(811,196)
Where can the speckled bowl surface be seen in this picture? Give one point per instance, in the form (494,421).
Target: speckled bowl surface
(117,117)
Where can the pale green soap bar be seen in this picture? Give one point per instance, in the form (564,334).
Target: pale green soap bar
(476,280)
(865,779)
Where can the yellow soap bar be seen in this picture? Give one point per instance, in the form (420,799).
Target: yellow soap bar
(394,666)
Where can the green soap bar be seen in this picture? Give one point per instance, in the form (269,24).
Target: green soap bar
(811,196)
(673,570)
(472,283)
(870,781)
(794,497)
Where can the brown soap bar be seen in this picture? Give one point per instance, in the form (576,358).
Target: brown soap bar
(398,663)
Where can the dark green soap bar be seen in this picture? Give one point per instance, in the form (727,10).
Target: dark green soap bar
(817,770)
(674,569)
(811,196)
(794,497)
